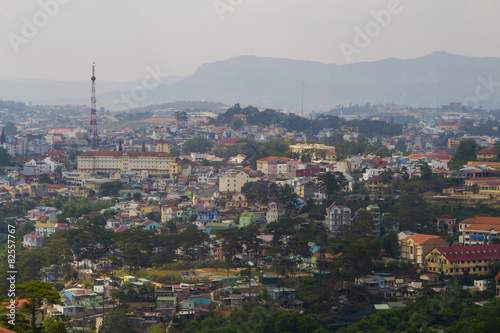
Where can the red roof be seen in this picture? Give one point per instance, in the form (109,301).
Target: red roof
(19,304)
(274,158)
(122,228)
(483,227)
(19,159)
(129,153)
(170,205)
(227,141)
(472,252)
(32,236)
(475,179)
(488,151)
(432,275)
(445,216)
(482,220)
(53,154)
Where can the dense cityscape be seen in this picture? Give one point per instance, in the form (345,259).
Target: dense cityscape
(235,166)
(221,217)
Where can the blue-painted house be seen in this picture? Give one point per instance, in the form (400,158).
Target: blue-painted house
(150,225)
(203,299)
(207,214)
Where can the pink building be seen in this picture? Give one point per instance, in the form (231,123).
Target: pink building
(274,165)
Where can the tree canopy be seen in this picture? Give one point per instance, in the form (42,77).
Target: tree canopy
(197,145)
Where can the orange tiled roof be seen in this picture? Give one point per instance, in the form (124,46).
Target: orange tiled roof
(420,238)
(129,153)
(487,151)
(445,157)
(483,227)
(482,220)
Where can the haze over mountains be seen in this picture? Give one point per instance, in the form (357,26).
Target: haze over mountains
(432,80)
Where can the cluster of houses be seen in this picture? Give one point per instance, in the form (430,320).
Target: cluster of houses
(475,252)
(162,302)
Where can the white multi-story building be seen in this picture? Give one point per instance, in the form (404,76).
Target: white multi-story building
(338,219)
(74,178)
(45,229)
(234,181)
(32,241)
(274,212)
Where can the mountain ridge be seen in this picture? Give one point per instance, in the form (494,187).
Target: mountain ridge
(432,80)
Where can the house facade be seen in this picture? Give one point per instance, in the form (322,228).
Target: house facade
(274,165)
(338,219)
(234,181)
(457,260)
(417,246)
(128,162)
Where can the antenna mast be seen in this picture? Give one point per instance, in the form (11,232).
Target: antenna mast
(94,133)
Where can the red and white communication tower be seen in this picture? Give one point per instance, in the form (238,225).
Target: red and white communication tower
(94,133)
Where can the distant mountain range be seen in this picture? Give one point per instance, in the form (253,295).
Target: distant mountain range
(433,80)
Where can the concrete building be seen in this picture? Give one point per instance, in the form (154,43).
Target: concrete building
(338,219)
(417,246)
(277,165)
(234,181)
(456,260)
(153,163)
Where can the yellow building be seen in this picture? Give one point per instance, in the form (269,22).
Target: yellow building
(95,185)
(233,182)
(453,143)
(241,117)
(487,154)
(415,247)
(162,146)
(132,162)
(377,184)
(456,260)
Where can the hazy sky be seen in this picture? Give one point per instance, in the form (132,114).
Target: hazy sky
(124,37)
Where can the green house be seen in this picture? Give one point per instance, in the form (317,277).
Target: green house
(229,281)
(247,218)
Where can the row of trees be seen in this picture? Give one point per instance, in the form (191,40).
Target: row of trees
(293,122)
